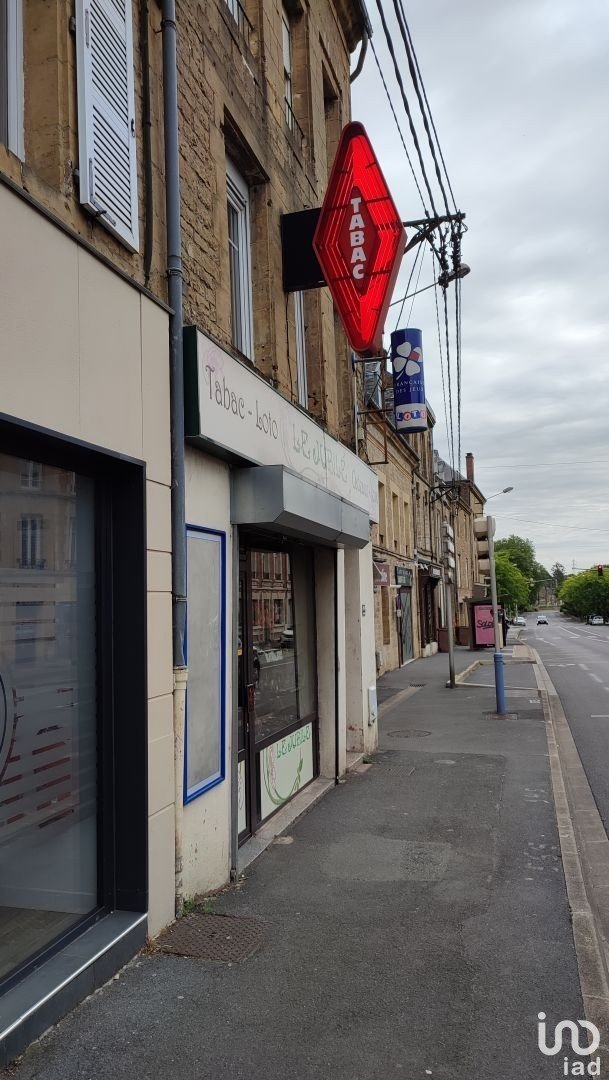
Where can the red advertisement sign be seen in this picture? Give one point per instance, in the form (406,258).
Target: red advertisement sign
(483,625)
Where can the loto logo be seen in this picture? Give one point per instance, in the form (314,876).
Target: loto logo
(575,1068)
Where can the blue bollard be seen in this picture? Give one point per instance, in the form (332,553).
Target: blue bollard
(499,683)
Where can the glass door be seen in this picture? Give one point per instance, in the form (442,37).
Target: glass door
(406,624)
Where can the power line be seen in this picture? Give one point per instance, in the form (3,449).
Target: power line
(428,106)
(415,290)
(404,298)
(400,83)
(442,365)
(397,124)
(543,464)
(401,19)
(555,524)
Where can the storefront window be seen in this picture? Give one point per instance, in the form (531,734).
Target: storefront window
(276,697)
(48,722)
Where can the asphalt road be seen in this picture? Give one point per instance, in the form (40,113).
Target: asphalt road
(577,659)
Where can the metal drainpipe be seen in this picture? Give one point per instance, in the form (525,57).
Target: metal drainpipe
(176,379)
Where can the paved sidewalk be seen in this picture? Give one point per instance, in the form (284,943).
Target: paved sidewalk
(415,923)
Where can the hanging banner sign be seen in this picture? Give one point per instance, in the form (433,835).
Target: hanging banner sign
(408,380)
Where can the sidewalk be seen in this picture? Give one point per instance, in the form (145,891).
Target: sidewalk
(413,924)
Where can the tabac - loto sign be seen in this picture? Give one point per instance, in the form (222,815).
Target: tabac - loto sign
(359,240)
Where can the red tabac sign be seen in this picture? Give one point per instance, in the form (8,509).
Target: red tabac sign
(359,240)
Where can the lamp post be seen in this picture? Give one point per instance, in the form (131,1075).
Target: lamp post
(505,491)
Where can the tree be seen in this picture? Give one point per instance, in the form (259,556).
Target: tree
(585,594)
(521,553)
(559,574)
(512,585)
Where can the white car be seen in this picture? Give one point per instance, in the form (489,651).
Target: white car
(542,620)
(596,620)
(520,620)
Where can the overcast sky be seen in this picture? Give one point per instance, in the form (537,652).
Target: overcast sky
(519,90)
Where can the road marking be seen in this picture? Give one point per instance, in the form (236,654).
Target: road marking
(590,633)
(599,715)
(596,678)
(583,667)
(565,631)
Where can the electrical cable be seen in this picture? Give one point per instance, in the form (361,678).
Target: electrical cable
(448,369)
(404,298)
(413,75)
(400,83)
(415,290)
(555,524)
(442,365)
(543,464)
(397,124)
(416,61)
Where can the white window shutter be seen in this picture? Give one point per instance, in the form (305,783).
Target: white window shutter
(106,115)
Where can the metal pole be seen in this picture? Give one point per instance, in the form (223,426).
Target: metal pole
(451,635)
(498,657)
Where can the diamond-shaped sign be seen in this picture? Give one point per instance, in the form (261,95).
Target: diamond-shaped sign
(359,240)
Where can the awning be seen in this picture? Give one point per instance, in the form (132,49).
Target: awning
(273,498)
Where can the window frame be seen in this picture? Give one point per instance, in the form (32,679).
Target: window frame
(302,387)
(241,296)
(14,95)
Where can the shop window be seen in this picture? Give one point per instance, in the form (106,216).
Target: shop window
(301,350)
(239,249)
(48,745)
(31,475)
(106,116)
(278,612)
(205,702)
(11,76)
(385,616)
(30,546)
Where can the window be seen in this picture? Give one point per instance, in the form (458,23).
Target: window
(278,612)
(266,565)
(11,76)
(238,13)
(385,616)
(286,41)
(31,475)
(406,527)
(256,612)
(395,509)
(301,350)
(278,567)
(205,701)
(106,116)
(31,541)
(239,242)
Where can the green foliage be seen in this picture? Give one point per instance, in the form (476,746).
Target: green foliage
(558,573)
(521,554)
(585,594)
(512,585)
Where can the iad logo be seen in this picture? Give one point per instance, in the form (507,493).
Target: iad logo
(575,1068)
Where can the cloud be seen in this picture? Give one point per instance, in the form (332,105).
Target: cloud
(518,93)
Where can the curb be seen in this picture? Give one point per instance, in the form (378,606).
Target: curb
(467,671)
(580,828)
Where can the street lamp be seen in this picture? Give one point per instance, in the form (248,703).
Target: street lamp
(504,492)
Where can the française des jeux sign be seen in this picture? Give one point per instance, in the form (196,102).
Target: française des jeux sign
(359,240)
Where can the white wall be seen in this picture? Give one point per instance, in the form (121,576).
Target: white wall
(206,820)
(360,646)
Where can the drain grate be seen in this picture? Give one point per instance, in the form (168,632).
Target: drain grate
(408,734)
(506,716)
(417,684)
(223,938)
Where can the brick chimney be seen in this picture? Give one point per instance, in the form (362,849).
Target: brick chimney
(469,467)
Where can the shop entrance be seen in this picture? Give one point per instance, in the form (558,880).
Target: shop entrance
(277,686)
(406,625)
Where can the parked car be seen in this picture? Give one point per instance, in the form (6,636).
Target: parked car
(596,620)
(520,620)
(542,620)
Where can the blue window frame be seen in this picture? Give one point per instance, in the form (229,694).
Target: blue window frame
(205,734)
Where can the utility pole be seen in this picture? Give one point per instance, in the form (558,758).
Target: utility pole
(484,529)
(498,656)
(448,556)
